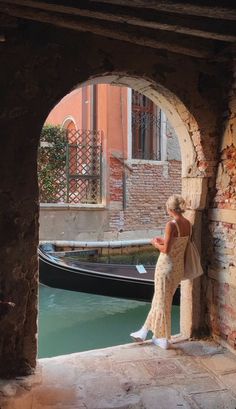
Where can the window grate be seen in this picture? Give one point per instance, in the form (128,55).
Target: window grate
(71,172)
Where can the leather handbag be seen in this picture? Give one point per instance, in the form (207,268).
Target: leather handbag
(192,262)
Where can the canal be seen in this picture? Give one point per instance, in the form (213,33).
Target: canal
(74,322)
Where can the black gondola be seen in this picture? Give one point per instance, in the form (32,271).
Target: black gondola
(114,280)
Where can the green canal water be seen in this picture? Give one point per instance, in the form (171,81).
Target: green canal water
(74,322)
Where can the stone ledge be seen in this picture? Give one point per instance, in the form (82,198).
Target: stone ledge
(65,207)
(222,215)
(131,375)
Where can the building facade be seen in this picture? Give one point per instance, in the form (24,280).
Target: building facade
(123,162)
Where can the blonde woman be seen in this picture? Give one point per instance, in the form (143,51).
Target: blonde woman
(168,274)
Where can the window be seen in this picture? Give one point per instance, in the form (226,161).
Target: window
(146,132)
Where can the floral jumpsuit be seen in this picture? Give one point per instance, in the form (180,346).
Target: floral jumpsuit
(168,274)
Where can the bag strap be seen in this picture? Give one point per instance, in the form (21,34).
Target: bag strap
(177,227)
(190,231)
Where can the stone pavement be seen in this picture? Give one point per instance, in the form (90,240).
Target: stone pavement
(193,374)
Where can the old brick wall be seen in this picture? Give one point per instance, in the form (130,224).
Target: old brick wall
(221,284)
(138,194)
(139,189)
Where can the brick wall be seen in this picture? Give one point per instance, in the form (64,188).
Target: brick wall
(138,195)
(225,197)
(221,281)
(221,293)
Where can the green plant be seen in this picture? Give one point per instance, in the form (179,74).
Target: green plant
(52,164)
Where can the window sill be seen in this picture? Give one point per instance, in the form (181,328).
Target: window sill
(146,161)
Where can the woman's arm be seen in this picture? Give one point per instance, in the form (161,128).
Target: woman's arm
(164,246)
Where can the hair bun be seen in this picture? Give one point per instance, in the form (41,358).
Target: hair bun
(176,203)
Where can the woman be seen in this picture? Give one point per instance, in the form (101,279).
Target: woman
(168,274)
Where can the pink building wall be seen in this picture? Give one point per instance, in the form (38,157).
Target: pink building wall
(111,114)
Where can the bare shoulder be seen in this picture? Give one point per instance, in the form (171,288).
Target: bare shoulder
(170,226)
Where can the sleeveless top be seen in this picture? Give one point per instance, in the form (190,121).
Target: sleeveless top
(172,263)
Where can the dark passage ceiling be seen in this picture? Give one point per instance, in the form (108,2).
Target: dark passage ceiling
(199,28)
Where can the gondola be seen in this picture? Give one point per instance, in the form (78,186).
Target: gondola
(114,280)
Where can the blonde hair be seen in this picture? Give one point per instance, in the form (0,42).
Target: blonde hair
(176,203)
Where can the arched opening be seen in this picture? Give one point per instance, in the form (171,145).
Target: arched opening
(46,56)
(68,124)
(194,177)
(187,131)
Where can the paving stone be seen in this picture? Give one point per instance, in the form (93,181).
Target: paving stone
(198,348)
(106,392)
(215,400)
(136,372)
(191,365)
(203,384)
(221,363)
(163,367)
(129,377)
(229,380)
(164,398)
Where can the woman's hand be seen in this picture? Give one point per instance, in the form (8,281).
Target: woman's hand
(156,241)
(159,240)
(164,245)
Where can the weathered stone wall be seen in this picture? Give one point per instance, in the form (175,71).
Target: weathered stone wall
(18,249)
(221,291)
(221,284)
(39,65)
(173,148)
(85,223)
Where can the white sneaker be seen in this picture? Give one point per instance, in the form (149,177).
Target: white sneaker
(161,342)
(139,336)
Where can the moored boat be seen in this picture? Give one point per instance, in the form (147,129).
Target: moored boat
(127,281)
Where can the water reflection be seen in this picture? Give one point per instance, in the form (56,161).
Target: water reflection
(73,322)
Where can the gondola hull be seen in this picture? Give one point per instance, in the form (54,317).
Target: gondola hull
(55,273)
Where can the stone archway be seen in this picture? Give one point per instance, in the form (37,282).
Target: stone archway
(29,107)
(193,180)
